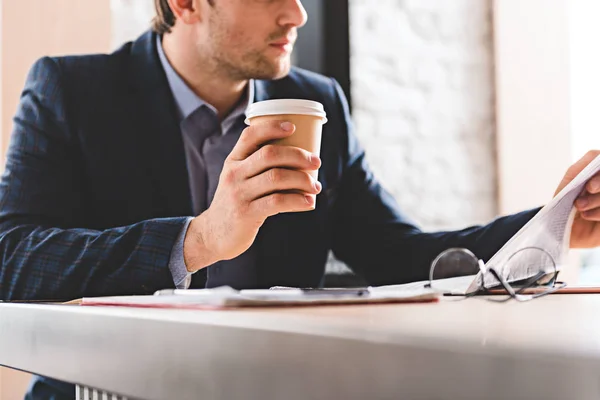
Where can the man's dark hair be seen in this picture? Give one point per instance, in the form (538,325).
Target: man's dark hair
(164,19)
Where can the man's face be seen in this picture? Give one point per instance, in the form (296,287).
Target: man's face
(251,39)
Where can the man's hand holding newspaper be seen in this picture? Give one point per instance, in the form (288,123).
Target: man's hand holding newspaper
(585,232)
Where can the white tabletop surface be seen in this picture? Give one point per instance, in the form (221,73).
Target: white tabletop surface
(546,348)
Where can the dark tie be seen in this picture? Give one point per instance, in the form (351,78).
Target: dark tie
(239,272)
(197,127)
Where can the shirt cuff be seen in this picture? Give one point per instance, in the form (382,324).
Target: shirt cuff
(181,276)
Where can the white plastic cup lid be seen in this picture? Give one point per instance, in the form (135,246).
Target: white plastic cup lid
(285,106)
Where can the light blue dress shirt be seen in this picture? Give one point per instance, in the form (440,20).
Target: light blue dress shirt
(207,142)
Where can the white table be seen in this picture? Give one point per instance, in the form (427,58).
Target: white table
(547,349)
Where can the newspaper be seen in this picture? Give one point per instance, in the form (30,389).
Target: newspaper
(541,245)
(549,232)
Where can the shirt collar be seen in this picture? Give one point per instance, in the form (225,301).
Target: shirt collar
(187,101)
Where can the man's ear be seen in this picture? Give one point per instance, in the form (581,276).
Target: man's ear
(187,11)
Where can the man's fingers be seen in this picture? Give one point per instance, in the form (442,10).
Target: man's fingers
(582,163)
(576,168)
(276,156)
(593,185)
(278,180)
(591,215)
(255,136)
(277,203)
(587,201)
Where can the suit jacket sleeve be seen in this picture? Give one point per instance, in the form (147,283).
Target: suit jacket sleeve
(44,253)
(378,242)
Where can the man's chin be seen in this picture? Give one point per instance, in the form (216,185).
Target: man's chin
(272,76)
(273,71)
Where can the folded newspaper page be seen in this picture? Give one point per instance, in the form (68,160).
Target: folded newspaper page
(543,243)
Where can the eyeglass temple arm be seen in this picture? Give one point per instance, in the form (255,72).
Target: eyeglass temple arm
(505,284)
(482,267)
(484,270)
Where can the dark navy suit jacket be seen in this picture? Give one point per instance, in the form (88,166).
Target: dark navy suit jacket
(96,191)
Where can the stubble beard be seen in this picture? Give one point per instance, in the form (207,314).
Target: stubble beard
(240,63)
(252,65)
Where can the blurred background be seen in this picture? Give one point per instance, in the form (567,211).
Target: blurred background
(468,109)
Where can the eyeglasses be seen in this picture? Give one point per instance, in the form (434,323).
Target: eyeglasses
(527,274)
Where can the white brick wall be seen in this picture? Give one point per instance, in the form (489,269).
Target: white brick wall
(422,89)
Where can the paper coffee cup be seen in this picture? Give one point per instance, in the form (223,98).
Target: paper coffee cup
(308,117)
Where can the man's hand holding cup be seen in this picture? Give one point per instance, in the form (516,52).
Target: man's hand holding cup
(272,169)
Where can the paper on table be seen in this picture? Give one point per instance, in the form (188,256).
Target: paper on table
(457,285)
(226,297)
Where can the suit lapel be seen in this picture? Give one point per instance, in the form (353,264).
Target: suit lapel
(261,90)
(160,134)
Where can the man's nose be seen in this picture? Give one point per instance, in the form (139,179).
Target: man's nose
(294,14)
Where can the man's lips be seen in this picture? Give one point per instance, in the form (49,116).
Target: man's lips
(285,44)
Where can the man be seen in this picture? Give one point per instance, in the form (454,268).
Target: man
(134,171)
